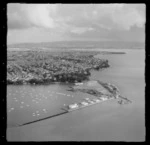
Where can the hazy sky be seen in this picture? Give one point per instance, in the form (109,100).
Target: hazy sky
(55,22)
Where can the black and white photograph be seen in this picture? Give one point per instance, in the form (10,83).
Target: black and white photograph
(75,72)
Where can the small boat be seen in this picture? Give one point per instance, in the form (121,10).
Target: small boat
(87,99)
(90,101)
(77,84)
(96,100)
(120,101)
(84,103)
(104,99)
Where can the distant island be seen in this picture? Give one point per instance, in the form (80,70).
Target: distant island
(67,45)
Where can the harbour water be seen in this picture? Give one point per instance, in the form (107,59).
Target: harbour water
(107,121)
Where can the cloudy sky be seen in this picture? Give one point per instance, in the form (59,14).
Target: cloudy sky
(57,22)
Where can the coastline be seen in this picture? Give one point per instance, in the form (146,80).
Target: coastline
(127,120)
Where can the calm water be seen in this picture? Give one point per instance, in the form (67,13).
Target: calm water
(105,121)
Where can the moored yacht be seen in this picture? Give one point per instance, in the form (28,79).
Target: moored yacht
(77,84)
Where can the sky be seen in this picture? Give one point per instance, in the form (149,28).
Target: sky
(66,22)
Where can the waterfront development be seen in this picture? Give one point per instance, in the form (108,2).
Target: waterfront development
(28,103)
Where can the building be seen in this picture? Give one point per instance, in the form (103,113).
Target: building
(84,103)
(73,106)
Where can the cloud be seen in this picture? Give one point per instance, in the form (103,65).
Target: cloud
(107,16)
(16,21)
(123,16)
(81,30)
(40,15)
(93,21)
(116,16)
(27,15)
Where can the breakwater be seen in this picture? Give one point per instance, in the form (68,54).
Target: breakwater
(100,89)
(44,118)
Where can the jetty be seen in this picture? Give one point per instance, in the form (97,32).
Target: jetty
(100,89)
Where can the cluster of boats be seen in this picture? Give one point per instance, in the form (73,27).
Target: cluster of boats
(85,103)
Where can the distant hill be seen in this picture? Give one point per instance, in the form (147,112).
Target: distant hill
(79,44)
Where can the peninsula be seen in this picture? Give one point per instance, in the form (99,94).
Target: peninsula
(44,67)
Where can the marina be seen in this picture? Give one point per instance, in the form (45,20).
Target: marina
(72,107)
(42,103)
(97,91)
